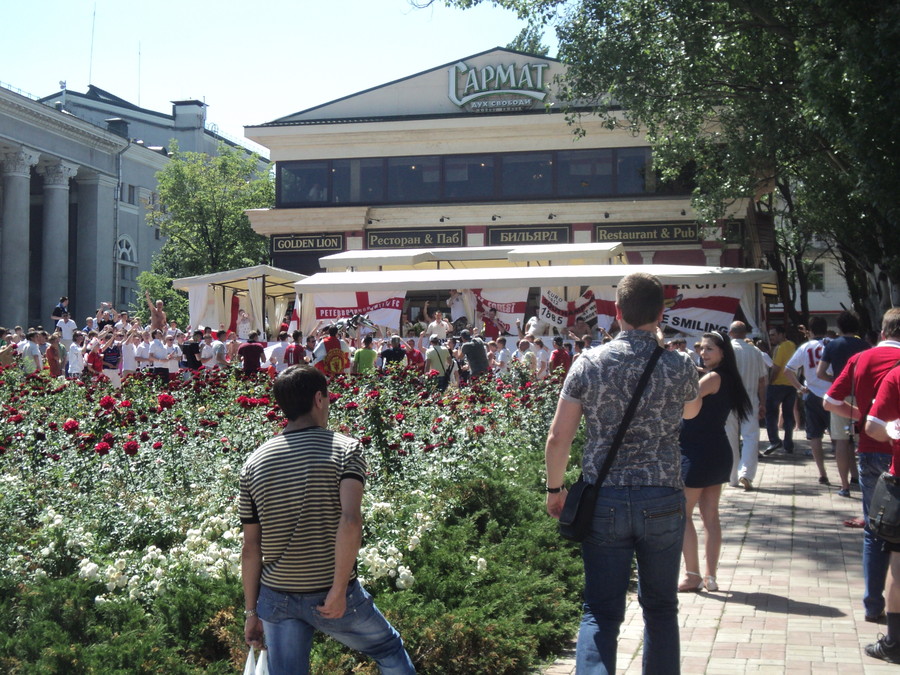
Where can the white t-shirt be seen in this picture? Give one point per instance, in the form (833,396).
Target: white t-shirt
(142,351)
(278,355)
(752,366)
(129,352)
(501,359)
(76,360)
(173,354)
(158,354)
(438,329)
(807,357)
(67,328)
(457,307)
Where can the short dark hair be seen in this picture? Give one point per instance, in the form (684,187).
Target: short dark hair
(198,332)
(282,336)
(295,389)
(297,335)
(847,322)
(332,331)
(640,298)
(220,334)
(818,325)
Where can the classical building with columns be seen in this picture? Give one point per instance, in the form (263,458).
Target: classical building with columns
(72,220)
(476,153)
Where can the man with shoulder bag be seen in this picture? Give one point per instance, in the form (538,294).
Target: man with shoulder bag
(632,460)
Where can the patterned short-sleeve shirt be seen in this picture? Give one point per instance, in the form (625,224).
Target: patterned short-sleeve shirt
(603,380)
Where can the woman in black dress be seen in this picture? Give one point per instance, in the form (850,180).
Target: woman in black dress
(706,456)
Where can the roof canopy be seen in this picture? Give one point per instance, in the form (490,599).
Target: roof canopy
(278,282)
(474,257)
(511,277)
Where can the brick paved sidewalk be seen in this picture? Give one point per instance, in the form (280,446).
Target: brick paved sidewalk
(790,578)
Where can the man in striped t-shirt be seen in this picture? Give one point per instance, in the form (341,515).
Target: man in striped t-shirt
(300,505)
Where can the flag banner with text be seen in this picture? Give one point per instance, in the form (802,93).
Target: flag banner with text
(561,313)
(689,309)
(509,303)
(383,308)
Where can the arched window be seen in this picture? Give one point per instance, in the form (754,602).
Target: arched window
(126,284)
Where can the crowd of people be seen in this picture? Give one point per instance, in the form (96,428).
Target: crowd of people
(696,428)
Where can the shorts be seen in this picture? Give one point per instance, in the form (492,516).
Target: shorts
(841,426)
(816,417)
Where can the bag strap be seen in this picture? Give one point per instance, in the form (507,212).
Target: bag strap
(629,414)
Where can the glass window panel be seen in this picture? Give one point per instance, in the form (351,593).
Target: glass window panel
(527,175)
(469,177)
(357,181)
(585,173)
(633,170)
(414,179)
(303,182)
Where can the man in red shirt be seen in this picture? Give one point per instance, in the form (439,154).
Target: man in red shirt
(492,326)
(560,357)
(251,355)
(414,359)
(295,354)
(881,425)
(861,378)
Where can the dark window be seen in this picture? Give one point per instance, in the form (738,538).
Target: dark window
(357,181)
(303,183)
(414,179)
(469,177)
(527,175)
(585,173)
(633,171)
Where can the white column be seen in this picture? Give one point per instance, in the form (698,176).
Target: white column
(14,242)
(647,257)
(55,251)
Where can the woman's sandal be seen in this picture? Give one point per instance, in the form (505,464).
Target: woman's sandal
(688,586)
(711,584)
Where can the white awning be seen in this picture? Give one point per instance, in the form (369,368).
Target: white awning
(511,277)
(278,281)
(474,257)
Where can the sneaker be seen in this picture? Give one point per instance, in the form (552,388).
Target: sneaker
(842,492)
(884,650)
(854,481)
(823,480)
(746,483)
(876,618)
(772,448)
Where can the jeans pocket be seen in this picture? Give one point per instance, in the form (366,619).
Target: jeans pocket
(271,605)
(603,526)
(359,606)
(662,524)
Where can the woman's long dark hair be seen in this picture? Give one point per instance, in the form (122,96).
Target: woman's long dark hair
(731,376)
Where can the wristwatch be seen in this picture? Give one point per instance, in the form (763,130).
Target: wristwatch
(554,491)
(250,612)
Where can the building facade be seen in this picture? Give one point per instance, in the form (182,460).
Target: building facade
(72,221)
(474,153)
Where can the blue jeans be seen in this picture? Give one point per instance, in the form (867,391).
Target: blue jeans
(628,521)
(291,619)
(783,396)
(875,560)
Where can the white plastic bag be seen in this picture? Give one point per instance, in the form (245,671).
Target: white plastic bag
(262,664)
(250,665)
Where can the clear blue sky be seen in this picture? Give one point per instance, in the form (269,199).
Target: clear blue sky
(252,62)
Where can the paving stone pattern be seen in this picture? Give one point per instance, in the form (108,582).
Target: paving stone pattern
(790,584)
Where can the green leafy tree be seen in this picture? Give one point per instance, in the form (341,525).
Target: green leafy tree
(200,210)
(790,105)
(529,40)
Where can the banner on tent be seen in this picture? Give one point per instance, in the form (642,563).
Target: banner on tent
(383,308)
(509,303)
(561,313)
(692,310)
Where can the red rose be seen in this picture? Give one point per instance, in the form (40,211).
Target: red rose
(102,448)
(145,436)
(15,419)
(399,417)
(131,448)
(478,429)
(125,404)
(157,445)
(70,426)
(352,405)
(365,440)
(165,401)
(107,402)
(408,436)
(108,438)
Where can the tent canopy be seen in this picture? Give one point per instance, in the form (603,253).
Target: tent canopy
(262,291)
(474,257)
(278,281)
(512,277)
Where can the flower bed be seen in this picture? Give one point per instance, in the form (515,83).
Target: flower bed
(119,518)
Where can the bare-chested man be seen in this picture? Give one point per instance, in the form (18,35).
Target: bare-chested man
(157,315)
